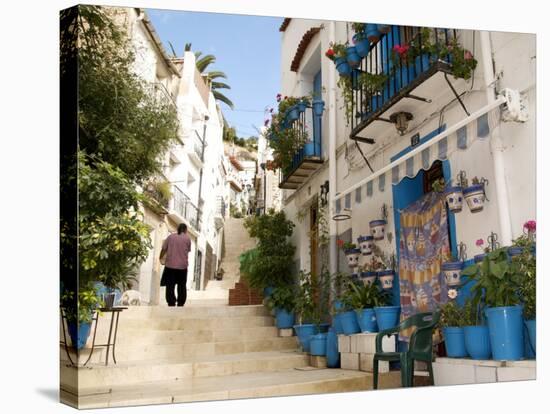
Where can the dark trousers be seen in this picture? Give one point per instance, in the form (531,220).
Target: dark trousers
(172,278)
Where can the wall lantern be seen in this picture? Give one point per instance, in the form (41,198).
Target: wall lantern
(401,120)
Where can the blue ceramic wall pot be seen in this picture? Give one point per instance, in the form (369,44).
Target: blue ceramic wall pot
(318,344)
(292,113)
(361,44)
(369,277)
(284,319)
(79,333)
(354,59)
(514,251)
(454,342)
(372,32)
(477,341)
(479,257)
(352,255)
(454,198)
(349,322)
(452,272)
(301,106)
(318,107)
(367,320)
(386,278)
(365,244)
(475,197)
(342,66)
(506,332)
(304,333)
(387,316)
(377,229)
(383,28)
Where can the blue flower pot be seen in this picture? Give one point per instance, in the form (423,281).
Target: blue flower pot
(367,320)
(268,291)
(284,319)
(342,66)
(452,270)
(304,333)
(369,278)
(386,278)
(79,333)
(337,322)
(349,322)
(479,257)
(324,327)
(292,113)
(475,197)
(514,251)
(361,44)
(477,341)
(530,338)
(506,332)
(383,28)
(454,342)
(387,316)
(377,228)
(318,344)
(318,107)
(301,106)
(454,198)
(333,356)
(372,32)
(354,59)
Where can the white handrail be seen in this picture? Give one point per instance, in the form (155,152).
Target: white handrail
(482,111)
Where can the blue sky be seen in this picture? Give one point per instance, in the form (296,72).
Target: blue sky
(247,49)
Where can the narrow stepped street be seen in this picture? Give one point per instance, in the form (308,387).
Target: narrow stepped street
(170,355)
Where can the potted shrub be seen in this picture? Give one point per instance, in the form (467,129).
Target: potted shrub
(497,281)
(451,269)
(360,39)
(452,323)
(476,332)
(79,320)
(282,301)
(365,244)
(337,52)
(377,228)
(348,316)
(474,195)
(387,315)
(363,299)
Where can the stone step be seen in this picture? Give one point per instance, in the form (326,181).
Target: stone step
(148,352)
(243,385)
(135,372)
(190,312)
(194,323)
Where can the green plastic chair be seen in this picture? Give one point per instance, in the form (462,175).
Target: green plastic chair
(420,347)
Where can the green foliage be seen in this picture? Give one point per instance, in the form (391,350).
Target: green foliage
(312,297)
(370,83)
(500,279)
(272,265)
(452,315)
(283,297)
(122,120)
(527,264)
(160,191)
(363,296)
(88,302)
(358,27)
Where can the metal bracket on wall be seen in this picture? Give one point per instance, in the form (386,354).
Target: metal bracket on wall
(456,94)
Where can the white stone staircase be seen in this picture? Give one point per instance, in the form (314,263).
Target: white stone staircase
(196,353)
(237,241)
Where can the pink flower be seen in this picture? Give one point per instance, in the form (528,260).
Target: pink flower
(278,97)
(530,225)
(479,242)
(468,55)
(401,49)
(266,122)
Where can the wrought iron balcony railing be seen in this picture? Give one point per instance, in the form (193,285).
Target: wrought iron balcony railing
(398,63)
(185,208)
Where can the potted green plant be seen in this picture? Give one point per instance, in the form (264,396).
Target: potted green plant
(337,52)
(497,281)
(282,300)
(360,39)
(476,332)
(348,316)
(363,299)
(452,322)
(369,271)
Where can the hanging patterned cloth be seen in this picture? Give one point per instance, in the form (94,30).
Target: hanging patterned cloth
(424,242)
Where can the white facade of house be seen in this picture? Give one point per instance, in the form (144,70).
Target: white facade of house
(267,178)
(194,166)
(514,62)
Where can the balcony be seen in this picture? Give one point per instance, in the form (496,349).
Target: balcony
(195,150)
(385,84)
(182,210)
(308,158)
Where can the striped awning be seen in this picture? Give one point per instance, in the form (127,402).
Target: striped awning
(459,137)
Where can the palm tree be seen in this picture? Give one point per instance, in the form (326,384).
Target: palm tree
(202,63)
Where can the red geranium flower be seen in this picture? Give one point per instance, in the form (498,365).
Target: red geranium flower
(340,243)
(530,225)
(330,54)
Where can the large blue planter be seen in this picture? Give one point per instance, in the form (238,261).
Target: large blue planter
(387,316)
(454,342)
(333,356)
(530,339)
(361,44)
(349,323)
(323,327)
(284,319)
(79,333)
(477,341)
(342,66)
(304,333)
(367,320)
(353,57)
(318,344)
(337,322)
(506,332)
